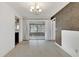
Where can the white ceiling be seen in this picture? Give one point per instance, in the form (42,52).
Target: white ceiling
(48,8)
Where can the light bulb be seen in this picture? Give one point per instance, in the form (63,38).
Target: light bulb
(31,10)
(40,10)
(37,7)
(17,27)
(32,7)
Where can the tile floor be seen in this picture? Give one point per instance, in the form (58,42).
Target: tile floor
(37,48)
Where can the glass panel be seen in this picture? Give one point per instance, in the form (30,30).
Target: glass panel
(41,28)
(33,28)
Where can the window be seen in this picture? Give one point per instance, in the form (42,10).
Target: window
(37,27)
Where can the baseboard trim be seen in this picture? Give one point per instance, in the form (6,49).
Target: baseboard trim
(7,51)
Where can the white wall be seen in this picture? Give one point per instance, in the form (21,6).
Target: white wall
(7,28)
(53,30)
(48,30)
(25,30)
(70,42)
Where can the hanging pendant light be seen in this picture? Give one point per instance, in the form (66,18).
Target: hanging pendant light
(35,9)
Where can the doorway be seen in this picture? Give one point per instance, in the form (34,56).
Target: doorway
(17,25)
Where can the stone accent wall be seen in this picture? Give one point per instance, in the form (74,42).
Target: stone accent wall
(67,19)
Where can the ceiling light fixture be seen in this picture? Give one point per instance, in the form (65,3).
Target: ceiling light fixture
(36,9)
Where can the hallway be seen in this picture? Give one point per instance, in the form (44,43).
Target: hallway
(37,48)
